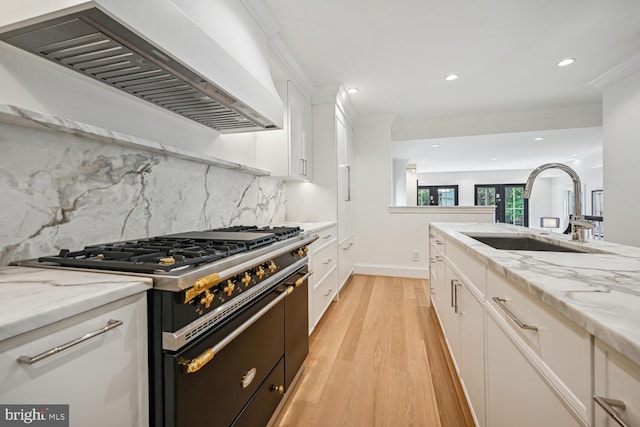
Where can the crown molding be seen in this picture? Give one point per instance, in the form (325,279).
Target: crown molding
(618,72)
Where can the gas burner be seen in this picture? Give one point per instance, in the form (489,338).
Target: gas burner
(172,252)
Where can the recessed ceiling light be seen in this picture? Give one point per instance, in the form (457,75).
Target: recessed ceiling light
(353,90)
(494,159)
(424,162)
(451,77)
(435,145)
(565,62)
(539,138)
(574,155)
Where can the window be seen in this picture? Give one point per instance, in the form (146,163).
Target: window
(437,195)
(511,206)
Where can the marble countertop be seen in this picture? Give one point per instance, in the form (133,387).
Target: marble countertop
(599,291)
(34,297)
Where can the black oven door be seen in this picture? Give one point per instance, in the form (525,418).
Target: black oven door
(216,394)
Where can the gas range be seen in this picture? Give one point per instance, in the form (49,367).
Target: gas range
(239,294)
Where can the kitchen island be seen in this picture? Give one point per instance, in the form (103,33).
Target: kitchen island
(566,324)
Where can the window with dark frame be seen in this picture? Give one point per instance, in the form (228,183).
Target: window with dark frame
(511,206)
(437,195)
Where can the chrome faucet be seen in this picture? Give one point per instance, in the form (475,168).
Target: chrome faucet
(578,223)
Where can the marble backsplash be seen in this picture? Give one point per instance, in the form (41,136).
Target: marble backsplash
(66,190)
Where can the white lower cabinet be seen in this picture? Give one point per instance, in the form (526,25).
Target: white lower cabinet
(520,363)
(345,260)
(517,393)
(323,284)
(616,388)
(462,320)
(103,379)
(471,363)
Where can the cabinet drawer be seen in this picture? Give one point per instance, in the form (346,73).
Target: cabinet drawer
(324,260)
(323,294)
(618,378)
(469,268)
(326,236)
(560,348)
(103,379)
(438,239)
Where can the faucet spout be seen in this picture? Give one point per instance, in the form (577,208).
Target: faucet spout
(578,223)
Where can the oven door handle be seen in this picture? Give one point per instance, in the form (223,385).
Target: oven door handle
(206,356)
(300,280)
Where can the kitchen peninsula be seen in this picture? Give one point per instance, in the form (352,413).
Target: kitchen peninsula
(563,323)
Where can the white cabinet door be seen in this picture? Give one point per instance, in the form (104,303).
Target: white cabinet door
(517,394)
(616,380)
(288,152)
(345,254)
(300,133)
(472,351)
(450,317)
(104,379)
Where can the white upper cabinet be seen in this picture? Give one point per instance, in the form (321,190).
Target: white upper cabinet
(288,152)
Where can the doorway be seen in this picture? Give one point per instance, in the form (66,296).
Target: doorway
(511,206)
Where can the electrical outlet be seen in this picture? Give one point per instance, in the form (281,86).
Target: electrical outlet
(416,256)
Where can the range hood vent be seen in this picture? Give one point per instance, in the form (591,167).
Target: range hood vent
(92,43)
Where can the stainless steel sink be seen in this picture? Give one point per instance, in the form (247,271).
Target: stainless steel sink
(524,243)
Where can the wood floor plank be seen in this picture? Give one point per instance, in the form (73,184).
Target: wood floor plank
(377,359)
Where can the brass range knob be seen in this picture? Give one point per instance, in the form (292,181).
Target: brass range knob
(260,273)
(278,388)
(301,252)
(229,287)
(272,267)
(206,299)
(246,279)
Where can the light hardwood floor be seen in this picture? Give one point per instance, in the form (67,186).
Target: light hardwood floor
(377,358)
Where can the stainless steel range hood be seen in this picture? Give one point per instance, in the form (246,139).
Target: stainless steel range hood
(93,43)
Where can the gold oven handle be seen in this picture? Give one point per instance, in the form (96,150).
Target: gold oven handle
(206,356)
(301,280)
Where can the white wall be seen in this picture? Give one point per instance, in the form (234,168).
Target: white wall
(621,133)
(385,241)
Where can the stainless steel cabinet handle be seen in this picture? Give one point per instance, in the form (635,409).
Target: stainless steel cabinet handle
(439,242)
(609,406)
(348,197)
(328,236)
(452,285)
(455,297)
(439,258)
(27,360)
(346,248)
(327,261)
(328,292)
(500,301)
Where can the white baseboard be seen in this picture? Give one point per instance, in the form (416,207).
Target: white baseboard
(392,271)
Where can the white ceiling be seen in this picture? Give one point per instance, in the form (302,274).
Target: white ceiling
(505,51)
(505,151)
